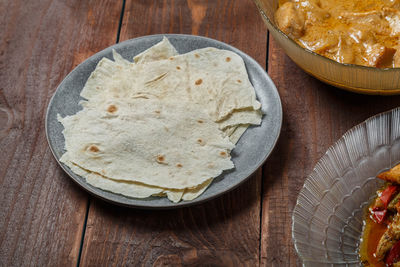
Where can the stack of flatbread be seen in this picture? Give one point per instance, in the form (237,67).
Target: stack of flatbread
(163,125)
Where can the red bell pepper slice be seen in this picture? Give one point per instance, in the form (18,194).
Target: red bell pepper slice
(379,215)
(380,207)
(387,194)
(394,254)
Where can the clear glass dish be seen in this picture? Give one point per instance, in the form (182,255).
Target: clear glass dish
(360,79)
(327,220)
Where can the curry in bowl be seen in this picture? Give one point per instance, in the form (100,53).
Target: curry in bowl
(361,32)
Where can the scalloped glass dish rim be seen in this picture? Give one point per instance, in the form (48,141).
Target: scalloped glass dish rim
(335,144)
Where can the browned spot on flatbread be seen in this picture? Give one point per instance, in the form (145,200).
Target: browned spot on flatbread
(200,121)
(179,165)
(199,81)
(94,149)
(178,68)
(227,59)
(239,81)
(160,159)
(196,55)
(200,141)
(222,153)
(157,111)
(112,108)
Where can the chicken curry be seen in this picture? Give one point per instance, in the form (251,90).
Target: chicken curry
(380,244)
(362,32)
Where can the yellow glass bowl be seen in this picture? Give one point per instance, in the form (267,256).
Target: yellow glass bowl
(360,79)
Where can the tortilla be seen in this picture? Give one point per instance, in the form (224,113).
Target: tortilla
(238,132)
(133,189)
(159,143)
(203,76)
(212,82)
(245,116)
(130,189)
(162,50)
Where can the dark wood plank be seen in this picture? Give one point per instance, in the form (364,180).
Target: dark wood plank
(315,116)
(222,232)
(42,212)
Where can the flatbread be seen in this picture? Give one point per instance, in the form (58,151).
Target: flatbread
(238,132)
(134,189)
(166,80)
(130,189)
(169,145)
(244,116)
(160,51)
(191,194)
(203,76)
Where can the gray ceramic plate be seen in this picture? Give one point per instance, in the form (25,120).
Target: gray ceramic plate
(251,151)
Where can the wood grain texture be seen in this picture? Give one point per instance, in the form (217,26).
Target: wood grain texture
(315,116)
(42,212)
(221,232)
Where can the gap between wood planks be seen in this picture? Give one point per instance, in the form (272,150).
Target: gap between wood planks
(263,172)
(121,17)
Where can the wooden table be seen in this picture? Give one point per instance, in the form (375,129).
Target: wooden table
(47,220)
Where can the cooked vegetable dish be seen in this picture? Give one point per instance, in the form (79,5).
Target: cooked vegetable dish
(380,244)
(362,32)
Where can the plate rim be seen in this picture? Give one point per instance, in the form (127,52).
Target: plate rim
(180,204)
